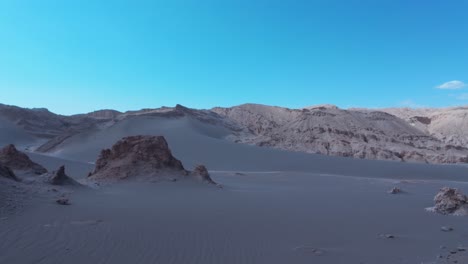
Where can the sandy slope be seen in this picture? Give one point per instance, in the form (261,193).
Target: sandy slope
(10,133)
(77,169)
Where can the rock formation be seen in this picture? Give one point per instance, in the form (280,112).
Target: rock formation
(395,190)
(6,172)
(16,160)
(450,201)
(201,173)
(59,177)
(143,158)
(63,201)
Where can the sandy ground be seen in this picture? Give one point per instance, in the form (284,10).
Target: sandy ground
(256,218)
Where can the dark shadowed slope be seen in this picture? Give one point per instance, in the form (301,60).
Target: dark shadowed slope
(12,134)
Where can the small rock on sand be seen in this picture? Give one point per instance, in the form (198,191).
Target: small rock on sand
(63,201)
(446,228)
(395,190)
(87,222)
(387,236)
(311,250)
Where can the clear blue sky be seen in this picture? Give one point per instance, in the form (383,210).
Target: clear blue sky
(79,56)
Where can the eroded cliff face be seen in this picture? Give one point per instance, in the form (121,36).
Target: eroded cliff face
(137,156)
(450,125)
(329,130)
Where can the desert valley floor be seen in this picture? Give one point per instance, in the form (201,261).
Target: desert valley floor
(274,206)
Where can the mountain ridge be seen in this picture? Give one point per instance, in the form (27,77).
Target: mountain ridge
(435,135)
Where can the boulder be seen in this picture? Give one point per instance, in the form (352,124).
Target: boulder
(17,160)
(450,201)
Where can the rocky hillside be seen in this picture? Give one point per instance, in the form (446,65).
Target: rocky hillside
(450,125)
(400,134)
(42,123)
(350,133)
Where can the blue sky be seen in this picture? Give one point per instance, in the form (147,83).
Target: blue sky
(79,56)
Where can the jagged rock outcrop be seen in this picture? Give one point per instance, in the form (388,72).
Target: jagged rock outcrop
(6,172)
(450,201)
(137,156)
(201,173)
(59,177)
(143,158)
(17,160)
